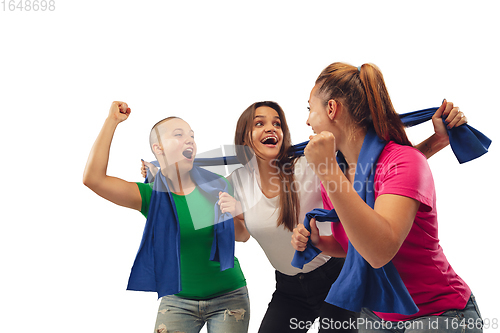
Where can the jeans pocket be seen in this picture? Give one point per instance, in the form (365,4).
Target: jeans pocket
(473,301)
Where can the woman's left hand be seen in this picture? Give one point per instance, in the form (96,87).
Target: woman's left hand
(454,118)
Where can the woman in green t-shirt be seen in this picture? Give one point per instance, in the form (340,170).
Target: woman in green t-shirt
(207,290)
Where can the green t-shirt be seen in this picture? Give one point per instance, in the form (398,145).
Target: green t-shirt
(201,278)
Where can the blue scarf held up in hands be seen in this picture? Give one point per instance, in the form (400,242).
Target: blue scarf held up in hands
(466,142)
(157,264)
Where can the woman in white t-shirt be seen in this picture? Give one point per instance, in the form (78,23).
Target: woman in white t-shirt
(273,191)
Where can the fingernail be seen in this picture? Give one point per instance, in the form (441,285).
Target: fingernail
(444,99)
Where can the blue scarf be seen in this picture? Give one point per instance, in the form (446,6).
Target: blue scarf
(157,264)
(359,285)
(466,142)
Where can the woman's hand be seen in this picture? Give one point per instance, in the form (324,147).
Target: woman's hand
(440,139)
(119,111)
(230,205)
(454,118)
(153,169)
(301,235)
(320,153)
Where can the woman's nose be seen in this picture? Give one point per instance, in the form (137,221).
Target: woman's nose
(270,128)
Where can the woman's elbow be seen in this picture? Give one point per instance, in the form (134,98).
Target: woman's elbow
(380,260)
(376,264)
(87,180)
(90,181)
(243,237)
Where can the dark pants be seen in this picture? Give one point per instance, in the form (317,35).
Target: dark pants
(299,300)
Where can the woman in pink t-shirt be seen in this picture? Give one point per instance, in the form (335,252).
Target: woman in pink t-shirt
(402,226)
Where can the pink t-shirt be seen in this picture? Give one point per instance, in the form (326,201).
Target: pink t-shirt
(421,263)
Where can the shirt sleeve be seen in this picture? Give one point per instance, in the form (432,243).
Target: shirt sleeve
(404,171)
(230,189)
(146,190)
(231,180)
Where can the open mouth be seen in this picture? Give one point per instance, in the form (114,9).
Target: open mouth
(270,140)
(188,153)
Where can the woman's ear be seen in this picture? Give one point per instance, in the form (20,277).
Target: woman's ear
(332,109)
(157,149)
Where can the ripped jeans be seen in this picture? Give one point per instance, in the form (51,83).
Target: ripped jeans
(225,313)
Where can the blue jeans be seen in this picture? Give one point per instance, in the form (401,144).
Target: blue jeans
(465,320)
(225,313)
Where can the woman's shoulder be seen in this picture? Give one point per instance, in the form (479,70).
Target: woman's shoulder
(241,173)
(241,178)
(396,153)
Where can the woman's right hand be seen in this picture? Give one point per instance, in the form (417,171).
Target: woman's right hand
(301,235)
(148,166)
(119,111)
(230,205)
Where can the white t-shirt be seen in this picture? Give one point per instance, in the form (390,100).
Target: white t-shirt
(261,214)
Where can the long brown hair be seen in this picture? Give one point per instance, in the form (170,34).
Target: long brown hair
(364,94)
(289,204)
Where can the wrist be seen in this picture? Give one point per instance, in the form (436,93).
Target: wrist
(439,141)
(335,182)
(329,171)
(110,120)
(238,210)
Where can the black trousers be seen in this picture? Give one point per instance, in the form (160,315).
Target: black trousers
(299,300)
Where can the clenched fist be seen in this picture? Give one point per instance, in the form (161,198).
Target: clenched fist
(119,111)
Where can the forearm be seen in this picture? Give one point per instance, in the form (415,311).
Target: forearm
(97,163)
(241,233)
(329,246)
(432,145)
(369,232)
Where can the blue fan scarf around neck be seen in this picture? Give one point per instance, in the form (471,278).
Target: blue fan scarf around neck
(157,264)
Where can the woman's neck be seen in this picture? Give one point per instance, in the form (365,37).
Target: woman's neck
(180,182)
(269,173)
(351,149)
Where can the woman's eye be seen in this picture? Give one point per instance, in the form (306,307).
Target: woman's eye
(277,124)
(308,109)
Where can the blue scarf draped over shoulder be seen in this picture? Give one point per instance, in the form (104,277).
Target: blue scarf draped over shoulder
(157,264)
(360,285)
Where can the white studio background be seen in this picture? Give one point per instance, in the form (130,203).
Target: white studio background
(66,253)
